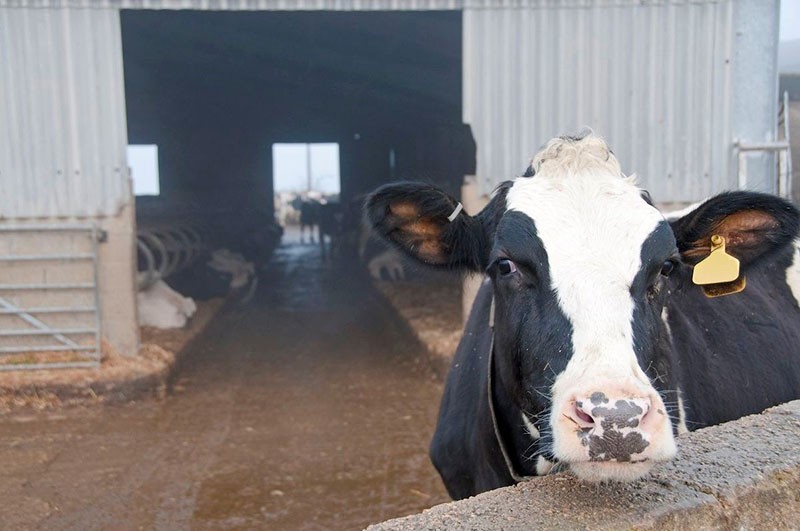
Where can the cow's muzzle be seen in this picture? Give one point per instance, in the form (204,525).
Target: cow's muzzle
(612,437)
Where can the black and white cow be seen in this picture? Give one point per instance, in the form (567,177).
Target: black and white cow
(588,345)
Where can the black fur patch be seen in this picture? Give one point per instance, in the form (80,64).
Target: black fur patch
(730,356)
(533,337)
(414,217)
(698,226)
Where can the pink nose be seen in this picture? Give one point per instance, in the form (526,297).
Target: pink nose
(600,433)
(613,429)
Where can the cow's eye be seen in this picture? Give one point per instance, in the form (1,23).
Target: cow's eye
(506,266)
(667,268)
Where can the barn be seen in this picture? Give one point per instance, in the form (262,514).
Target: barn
(457,92)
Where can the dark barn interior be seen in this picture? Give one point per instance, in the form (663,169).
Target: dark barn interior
(297,363)
(214,90)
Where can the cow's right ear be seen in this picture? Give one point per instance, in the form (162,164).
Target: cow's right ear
(427,224)
(753,225)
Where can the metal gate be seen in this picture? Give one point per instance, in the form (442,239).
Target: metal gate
(782,148)
(49,300)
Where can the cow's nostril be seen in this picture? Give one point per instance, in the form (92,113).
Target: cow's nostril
(580,417)
(650,414)
(584,416)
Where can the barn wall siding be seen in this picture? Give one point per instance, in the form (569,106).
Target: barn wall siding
(755,82)
(62,114)
(653,79)
(658,79)
(338,5)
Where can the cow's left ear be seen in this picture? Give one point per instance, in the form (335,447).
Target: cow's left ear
(753,224)
(429,225)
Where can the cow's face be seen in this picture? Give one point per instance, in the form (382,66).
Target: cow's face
(580,264)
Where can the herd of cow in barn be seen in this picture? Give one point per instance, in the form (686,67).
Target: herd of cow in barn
(602,330)
(184,257)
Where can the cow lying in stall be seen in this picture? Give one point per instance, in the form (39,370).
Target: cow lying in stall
(387,265)
(240,270)
(589,346)
(161,306)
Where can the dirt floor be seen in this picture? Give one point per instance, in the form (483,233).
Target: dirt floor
(118,378)
(430,303)
(311,408)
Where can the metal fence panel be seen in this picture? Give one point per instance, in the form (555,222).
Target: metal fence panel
(49,301)
(62,113)
(652,78)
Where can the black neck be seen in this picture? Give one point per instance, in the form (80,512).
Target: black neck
(510,431)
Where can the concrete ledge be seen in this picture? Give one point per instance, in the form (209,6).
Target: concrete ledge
(739,475)
(431,308)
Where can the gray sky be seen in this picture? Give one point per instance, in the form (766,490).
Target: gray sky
(289,167)
(143,161)
(290,171)
(790,20)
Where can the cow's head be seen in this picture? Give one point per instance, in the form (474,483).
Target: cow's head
(581,264)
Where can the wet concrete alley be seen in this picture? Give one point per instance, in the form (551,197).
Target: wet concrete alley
(307,409)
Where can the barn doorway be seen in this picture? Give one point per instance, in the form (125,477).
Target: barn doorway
(307,179)
(219,92)
(227,97)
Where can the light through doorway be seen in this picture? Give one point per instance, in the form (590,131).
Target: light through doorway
(306,176)
(143,164)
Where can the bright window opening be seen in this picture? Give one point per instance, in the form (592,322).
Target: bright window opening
(306,167)
(143,162)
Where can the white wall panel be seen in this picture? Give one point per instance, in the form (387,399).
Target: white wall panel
(62,113)
(653,78)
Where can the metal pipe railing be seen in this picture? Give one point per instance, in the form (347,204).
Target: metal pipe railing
(167,249)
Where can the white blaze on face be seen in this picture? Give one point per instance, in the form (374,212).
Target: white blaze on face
(593,223)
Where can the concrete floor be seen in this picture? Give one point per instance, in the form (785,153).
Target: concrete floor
(307,409)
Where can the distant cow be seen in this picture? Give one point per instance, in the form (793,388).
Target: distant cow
(330,228)
(589,346)
(309,217)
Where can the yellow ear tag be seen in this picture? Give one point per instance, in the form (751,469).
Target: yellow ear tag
(718,273)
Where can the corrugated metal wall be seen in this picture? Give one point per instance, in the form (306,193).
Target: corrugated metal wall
(652,78)
(293,5)
(266,5)
(62,113)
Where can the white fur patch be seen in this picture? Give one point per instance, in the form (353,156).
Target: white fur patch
(241,270)
(529,427)
(543,466)
(162,307)
(389,261)
(592,222)
(681,415)
(793,273)
(665,319)
(599,472)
